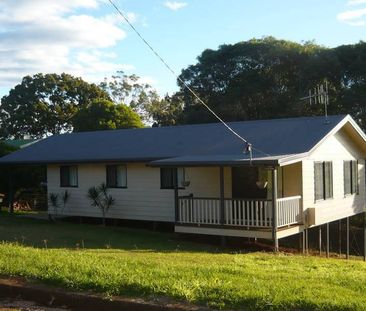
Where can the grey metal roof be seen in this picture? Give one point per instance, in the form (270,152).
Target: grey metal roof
(273,137)
(215,160)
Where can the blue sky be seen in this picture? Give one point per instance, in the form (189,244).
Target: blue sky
(86,37)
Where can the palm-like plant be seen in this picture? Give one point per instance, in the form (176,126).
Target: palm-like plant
(53,198)
(100,198)
(65,198)
(94,196)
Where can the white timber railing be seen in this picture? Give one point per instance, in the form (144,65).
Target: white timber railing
(238,212)
(289,211)
(248,213)
(199,211)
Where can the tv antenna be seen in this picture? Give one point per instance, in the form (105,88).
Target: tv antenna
(319,95)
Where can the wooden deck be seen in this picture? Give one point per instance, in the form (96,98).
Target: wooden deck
(239,232)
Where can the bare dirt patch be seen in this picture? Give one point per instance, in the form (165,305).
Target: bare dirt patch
(19,294)
(24,305)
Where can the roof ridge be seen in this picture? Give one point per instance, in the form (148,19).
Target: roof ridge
(200,125)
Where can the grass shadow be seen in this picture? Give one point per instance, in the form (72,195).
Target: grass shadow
(52,235)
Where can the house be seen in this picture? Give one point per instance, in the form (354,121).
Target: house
(303,172)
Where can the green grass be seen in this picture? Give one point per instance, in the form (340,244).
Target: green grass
(137,263)
(40,233)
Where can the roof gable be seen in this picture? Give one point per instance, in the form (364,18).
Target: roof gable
(351,129)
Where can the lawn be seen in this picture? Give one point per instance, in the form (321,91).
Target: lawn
(138,263)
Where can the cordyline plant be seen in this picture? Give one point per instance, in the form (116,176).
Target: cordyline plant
(100,198)
(65,196)
(54,200)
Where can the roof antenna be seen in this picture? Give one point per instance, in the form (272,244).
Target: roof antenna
(319,95)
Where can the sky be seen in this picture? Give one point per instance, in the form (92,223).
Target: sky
(87,38)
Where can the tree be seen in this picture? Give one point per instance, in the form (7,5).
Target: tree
(6,149)
(352,94)
(167,111)
(257,79)
(128,89)
(45,104)
(102,114)
(101,199)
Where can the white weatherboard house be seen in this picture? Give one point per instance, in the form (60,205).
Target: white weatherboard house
(304,172)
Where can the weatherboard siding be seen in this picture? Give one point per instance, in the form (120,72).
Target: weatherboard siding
(335,148)
(205,182)
(292,183)
(142,199)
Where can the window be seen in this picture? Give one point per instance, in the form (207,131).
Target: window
(323,180)
(68,176)
(116,176)
(350,177)
(167,177)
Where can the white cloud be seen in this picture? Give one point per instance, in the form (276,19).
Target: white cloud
(353,17)
(116,18)
(175,5)
(357,23)
(57,36)
(356,2)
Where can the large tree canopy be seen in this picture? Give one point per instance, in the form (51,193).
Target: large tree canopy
(129,90)
(255,79)
(265,78)
(45,104)
(352,80)
(144,99)
(166,111)
(102,114)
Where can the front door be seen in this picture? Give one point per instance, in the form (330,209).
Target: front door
(244,183)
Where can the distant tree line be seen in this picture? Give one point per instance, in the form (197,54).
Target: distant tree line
(255,79)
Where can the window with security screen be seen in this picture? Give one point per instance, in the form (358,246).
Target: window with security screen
(323,180)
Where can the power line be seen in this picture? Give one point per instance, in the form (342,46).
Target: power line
(249,146)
